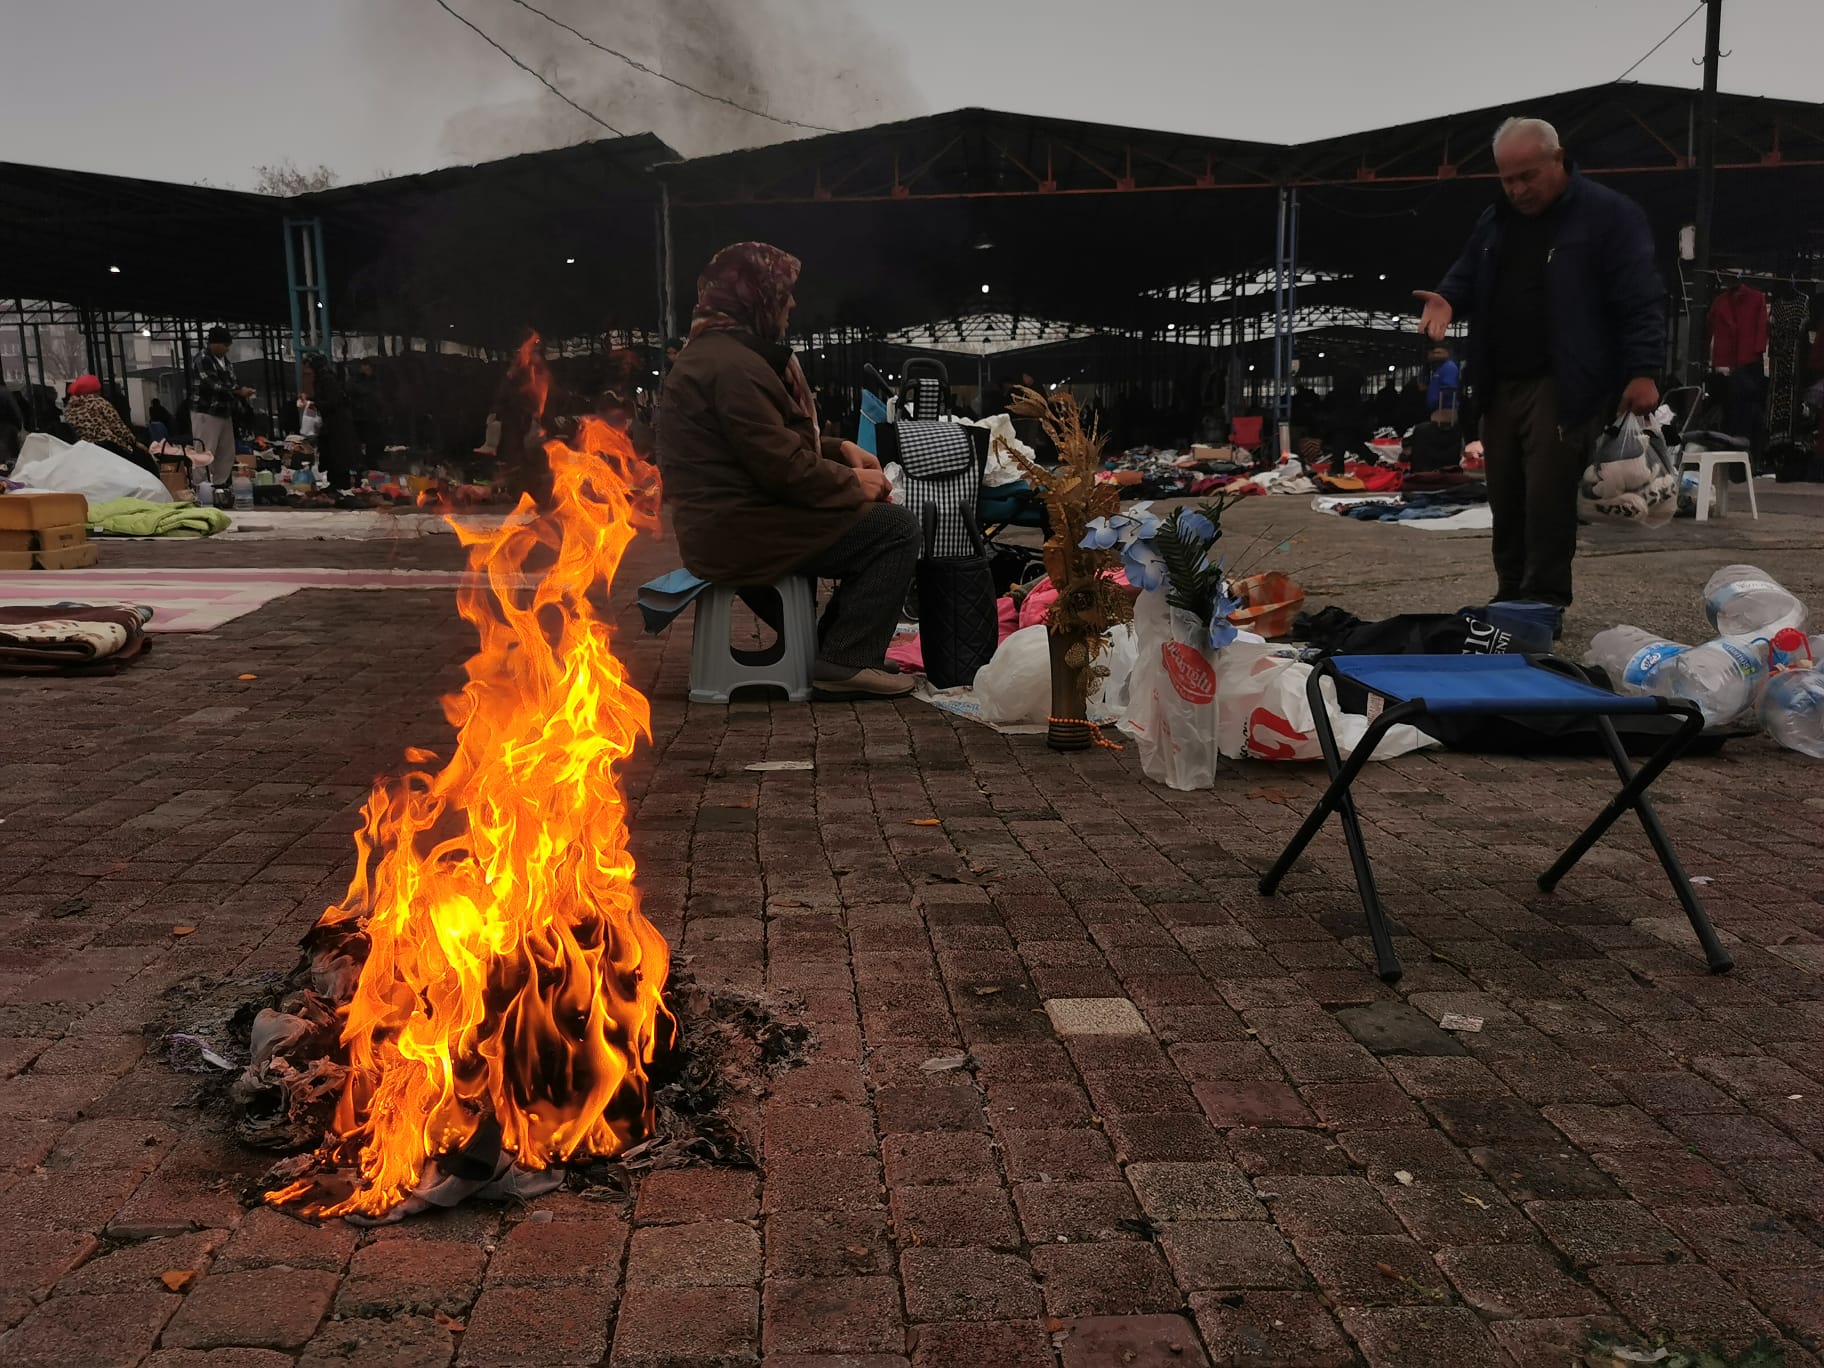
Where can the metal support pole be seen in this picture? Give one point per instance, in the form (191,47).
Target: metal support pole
(1279,298)
(1697,337)
(668,309)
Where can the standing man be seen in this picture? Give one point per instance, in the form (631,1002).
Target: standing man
(212,395)
(1567,327)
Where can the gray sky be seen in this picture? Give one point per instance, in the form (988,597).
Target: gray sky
(206,89)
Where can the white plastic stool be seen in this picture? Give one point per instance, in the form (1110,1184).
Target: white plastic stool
(717,668)
(1708,464)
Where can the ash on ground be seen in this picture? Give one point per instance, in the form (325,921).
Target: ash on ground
(270,1062)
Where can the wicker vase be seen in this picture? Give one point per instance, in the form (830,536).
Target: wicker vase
(1069,727)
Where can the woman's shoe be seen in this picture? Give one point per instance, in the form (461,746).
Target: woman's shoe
(863,684)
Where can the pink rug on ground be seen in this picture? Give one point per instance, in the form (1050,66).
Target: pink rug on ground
(202,600)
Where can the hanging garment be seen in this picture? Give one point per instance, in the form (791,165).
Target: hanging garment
(1738,327)
(1783,347)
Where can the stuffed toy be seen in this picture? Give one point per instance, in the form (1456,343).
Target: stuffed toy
(1612,479)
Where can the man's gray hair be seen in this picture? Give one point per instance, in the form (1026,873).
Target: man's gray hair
(1538,128)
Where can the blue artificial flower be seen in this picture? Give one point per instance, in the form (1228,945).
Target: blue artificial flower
(1194,526)
(1099,534)
(1145,566)
(1145,525)
(1222,631)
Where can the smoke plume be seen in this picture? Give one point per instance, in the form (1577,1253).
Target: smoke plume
(814,61)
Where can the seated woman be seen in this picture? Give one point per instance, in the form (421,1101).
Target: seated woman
(93,419)
(756,493)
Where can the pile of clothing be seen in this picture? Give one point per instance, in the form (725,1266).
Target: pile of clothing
(143,518)
(71,638)
(1415,507)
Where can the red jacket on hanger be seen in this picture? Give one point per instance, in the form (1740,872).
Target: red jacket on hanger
(1738,327)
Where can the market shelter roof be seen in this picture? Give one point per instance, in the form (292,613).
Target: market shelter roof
(900,224)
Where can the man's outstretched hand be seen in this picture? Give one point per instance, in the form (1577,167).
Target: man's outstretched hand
(1641,396)
(875,485)
(1435,319)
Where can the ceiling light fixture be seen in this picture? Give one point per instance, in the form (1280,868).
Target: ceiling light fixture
(113,270)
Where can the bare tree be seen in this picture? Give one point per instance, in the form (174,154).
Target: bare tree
(285,178)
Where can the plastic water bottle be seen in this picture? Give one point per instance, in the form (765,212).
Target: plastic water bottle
(1632,657)
(1720,677)
(1792,710)
(1789,649)
(205,493)
(1743,601)
(243,491)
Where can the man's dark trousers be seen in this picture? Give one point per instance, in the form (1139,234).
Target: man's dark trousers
(1533,466)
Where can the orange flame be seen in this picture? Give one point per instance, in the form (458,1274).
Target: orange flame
(510,972)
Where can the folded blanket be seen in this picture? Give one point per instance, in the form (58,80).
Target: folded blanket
(70,638)
(139,518)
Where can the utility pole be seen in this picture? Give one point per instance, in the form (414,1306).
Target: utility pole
(1697,340)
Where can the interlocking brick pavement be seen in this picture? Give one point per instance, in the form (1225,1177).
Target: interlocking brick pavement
(1273,1159)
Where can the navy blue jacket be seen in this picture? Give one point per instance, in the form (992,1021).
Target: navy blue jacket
(1607,303)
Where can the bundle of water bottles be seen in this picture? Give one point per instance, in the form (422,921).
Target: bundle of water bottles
(1761,662)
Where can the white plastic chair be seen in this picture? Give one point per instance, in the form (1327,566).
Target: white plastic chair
(1707,453)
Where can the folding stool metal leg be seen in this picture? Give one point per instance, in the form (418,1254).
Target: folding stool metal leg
(1633,795)
(1337,799)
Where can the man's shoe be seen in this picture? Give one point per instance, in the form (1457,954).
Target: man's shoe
(862,685)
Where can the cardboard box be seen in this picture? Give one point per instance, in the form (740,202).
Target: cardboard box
(61,538)
(17,539)
(16,560)
(69,558)
(33,509)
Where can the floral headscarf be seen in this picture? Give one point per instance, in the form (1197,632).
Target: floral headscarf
(744,289)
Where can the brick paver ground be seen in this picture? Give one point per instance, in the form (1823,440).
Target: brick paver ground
(1195,1128)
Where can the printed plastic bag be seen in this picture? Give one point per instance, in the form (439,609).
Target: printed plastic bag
(1172,713)
(1630,478)
(1264,713)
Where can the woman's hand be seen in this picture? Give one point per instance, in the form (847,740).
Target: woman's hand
(857,459)
(874,484)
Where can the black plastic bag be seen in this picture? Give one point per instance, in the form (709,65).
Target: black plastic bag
(959,626)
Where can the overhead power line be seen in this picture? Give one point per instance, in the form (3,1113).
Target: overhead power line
(1661,43)
(537,76)
(638,65)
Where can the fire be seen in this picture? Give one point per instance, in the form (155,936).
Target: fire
(511,979)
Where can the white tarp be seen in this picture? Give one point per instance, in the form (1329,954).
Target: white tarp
(84,468)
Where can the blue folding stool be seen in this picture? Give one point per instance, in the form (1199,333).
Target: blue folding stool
(1415,686)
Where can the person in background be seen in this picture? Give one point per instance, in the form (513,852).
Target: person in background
(156,412)
(618,405)
(1445,383)
(213,392)
(93,419)
(1560,340)
(672,348)
(757,492)
(337,447)
(369,410)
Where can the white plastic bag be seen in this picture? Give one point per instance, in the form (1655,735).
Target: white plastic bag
(1172,712)
(84,468)
(1630,477)
(1015,686)
(1264,713)
(1118,659)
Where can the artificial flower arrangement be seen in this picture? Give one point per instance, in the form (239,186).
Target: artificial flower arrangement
(1173,554)
(1182,621)
(1089,602)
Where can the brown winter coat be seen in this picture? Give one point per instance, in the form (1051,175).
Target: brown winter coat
(752,493)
